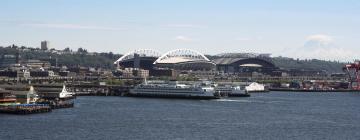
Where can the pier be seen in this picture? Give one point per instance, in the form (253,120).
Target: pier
(98,90)
(24,109)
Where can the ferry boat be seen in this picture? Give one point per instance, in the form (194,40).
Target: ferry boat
(232,91)
(169,90)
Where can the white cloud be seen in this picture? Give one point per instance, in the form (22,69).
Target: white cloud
(182,38)
(323,54)
(321,47)
(319,39)
(73,26)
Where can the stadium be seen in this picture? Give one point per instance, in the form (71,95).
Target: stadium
(191,60)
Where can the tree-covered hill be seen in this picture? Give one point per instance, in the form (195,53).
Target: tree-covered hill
(64,57)
(309,64)
(105,60)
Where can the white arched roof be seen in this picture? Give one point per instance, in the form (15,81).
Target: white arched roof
(180,56)
(141,52)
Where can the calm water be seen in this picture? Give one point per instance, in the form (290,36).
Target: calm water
(263,116)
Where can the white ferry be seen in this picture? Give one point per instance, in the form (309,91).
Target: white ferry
(173,91)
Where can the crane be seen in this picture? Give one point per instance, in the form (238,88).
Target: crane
(353,73)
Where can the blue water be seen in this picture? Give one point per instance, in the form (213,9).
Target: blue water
(271,116)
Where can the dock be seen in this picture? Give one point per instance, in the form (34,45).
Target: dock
(24,109)
(313,90)
(58,104)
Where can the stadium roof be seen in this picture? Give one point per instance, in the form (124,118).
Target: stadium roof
(181,56)
(245,62)
(141,53)
(225,61)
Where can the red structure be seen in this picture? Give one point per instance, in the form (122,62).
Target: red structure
(353,72)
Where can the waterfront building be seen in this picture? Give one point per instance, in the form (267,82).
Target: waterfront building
(141,73)
(24,74)
(7,60)
(6,97)
(8,73)
(39,73)
(53,91)
(23,94)
(36,64)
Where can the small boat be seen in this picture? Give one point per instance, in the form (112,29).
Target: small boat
(65,94)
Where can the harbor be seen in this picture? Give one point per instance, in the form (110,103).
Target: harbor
(269,115)
(44,98)
(38,98)
(179,70)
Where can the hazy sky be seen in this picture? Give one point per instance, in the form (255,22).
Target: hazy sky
(325,29)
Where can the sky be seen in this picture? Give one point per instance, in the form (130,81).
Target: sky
(321,29)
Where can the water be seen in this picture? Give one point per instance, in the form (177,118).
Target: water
(276,116)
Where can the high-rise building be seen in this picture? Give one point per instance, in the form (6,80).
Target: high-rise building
(44,45)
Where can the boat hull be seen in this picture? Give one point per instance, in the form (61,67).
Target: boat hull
(238,95)
(179,96)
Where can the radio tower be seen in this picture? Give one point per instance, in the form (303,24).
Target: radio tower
(353,73)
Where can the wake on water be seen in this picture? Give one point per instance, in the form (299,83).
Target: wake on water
(230,100)
(245,101)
